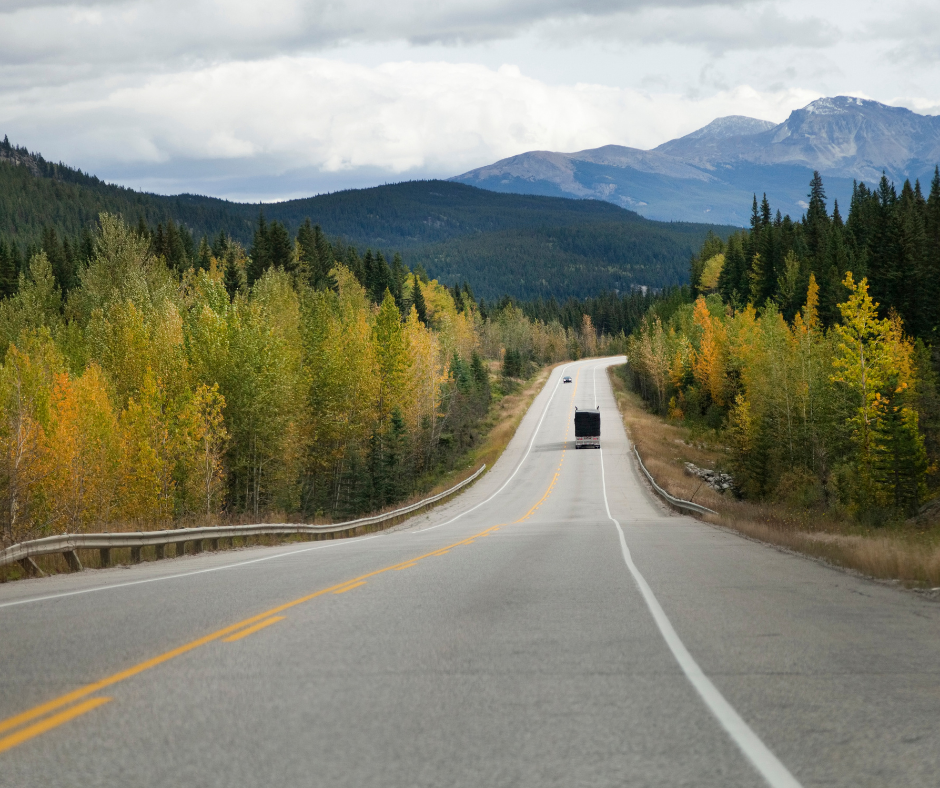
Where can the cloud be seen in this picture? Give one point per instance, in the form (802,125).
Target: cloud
(713,28)
(143,31)
(285,97)
(325,117)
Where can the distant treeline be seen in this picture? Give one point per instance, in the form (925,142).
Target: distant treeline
(525,246)
(891,239)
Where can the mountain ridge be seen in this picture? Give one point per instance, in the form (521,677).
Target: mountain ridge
(711,173)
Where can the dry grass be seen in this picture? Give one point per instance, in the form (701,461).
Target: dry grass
(499,426)
(895,552)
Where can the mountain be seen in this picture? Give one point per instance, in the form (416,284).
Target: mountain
(711,174)
(527,246)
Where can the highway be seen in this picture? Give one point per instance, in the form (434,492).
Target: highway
(554,625)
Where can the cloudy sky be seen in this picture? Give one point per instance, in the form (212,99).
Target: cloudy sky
(283,98)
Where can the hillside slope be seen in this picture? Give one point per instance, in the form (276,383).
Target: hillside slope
(522,245)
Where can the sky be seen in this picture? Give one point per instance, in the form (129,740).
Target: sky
(273,100)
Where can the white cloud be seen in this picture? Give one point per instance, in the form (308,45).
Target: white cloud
(401,118)
(286,95)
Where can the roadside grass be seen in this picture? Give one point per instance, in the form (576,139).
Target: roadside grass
(897,551)
(505,414)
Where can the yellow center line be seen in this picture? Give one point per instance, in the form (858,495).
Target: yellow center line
(244,628)
(51,722)
(89,689)
(349,587)
(251,630)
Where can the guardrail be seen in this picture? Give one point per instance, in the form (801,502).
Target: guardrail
(677,502)
(67,544)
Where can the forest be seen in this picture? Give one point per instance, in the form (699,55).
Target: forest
(145,378)
(521,245)
(810,347)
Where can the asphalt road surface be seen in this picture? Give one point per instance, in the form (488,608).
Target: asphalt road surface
(564,630)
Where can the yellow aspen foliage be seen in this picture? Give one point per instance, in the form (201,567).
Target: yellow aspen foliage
(872,356)
(588,336)
(710,359)
(428,374)
(203,440)
(393,364)
(27,378)
(145,482)
(83,452)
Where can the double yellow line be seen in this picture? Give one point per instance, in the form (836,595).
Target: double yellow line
(46,716)
(20,725)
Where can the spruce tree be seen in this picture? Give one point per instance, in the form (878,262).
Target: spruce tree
(9,275)
(417,299)
(280,248)
(176,257)
(219,245)
(259,258)
(204,258)
(398,275)
(232,277)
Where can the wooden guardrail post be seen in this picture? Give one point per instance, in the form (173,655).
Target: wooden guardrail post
(71,558)
(104,555)
(158,550)
(180,549)
(30,568)
(135,555)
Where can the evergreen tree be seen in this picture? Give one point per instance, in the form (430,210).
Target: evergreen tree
(219,245)
(398,276)
(232,277)
(418,300)
(61,269)
(733,283)
(280,249)
(315,258)
(259,258)
(204,258)
(9,275)
(176,256)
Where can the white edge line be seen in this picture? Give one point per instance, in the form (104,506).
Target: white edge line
(762,759)
(236,565)
(524,456)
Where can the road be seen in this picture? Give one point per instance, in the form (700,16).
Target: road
(552,626)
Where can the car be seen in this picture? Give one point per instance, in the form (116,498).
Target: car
(566,379)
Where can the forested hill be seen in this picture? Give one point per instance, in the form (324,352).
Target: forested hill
(522,245)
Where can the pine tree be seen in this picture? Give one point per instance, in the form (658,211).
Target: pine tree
(50,244)
(204,258)
(232,277)
(176,257)
(9,275)
(932,277)
(315,258)
(732,281)
(911,266)
(280,249)
(398,276)
(219,245)
(259,258)
(417,299)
